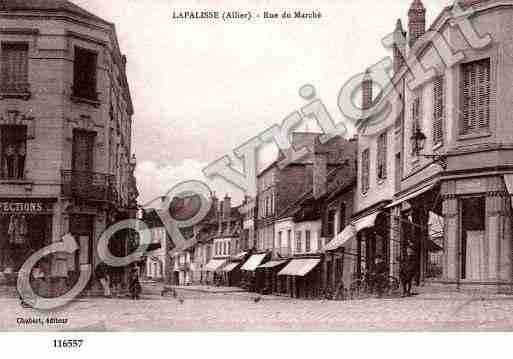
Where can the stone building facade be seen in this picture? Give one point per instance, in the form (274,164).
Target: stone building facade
(66,125)
(452,148)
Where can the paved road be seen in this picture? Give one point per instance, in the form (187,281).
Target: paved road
(194,311)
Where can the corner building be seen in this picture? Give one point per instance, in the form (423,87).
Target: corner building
(65,137)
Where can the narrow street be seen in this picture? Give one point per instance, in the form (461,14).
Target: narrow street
(238,311)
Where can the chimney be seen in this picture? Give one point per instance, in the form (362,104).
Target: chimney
(215,205)
(416,21)
(399,46)
(367,91)
(227,207)
(320,173)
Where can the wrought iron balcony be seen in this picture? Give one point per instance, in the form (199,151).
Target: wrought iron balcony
(89,186)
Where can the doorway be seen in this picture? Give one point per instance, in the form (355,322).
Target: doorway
(472,244)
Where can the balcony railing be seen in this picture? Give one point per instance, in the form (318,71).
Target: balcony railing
(89,186)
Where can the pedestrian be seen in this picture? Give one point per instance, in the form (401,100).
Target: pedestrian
(135,285)
(102,273)
(408,271)
(380,274)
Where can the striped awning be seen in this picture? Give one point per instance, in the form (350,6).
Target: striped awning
(253,262)
(342,238)
(300,267)
(229,267)
(508,179)
(366,222)
(272,264)
(214,265)
(412,195)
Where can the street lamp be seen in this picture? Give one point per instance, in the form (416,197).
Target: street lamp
(419,141)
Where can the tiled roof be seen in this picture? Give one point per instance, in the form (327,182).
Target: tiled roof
(47,5)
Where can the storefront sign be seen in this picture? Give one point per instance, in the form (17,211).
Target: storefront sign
(16,206)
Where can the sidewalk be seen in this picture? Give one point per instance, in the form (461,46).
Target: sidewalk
(206,289)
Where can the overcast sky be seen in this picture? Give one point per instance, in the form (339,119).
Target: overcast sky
(203,88)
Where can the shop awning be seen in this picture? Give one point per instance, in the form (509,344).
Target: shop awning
(411,195)
(214,265)
(346,235)
(366,222)
(509,184)
(253,262)
(229,267)
(300,267)
(272,264)
(240,256)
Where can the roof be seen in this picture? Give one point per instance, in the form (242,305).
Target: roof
(47,5)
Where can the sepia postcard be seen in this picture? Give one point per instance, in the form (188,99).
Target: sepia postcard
(255,166)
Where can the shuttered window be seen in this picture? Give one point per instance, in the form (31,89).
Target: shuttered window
(415,116)
(308,241)
(475,96)
(14,68)
(438,110)
(382,156)
(298,242)
(365,170)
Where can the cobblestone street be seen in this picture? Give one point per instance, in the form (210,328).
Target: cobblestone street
(238,311)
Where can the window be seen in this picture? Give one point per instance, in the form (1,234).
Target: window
(14,68)
(83,151)
(319,241)
(298,242)
(475,96)
(438,110)
(279,239)
(229,248)
(415,118)
(365,170)
(330,223)
(342,217)
(382,156)
(14,150)
(84,84)
(289,239)
(308,239)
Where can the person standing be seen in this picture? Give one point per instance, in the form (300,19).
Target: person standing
(408,271)
(103,275)
(135,284)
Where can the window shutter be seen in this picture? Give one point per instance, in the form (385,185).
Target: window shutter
(365,170)
(438,110)
(382,156)
(415,115)
(476,96)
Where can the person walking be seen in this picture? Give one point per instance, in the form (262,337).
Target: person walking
(135,284)
(102,273)
(408,271)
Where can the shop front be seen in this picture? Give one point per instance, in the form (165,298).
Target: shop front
(478,233)
(303,277)
(25,228)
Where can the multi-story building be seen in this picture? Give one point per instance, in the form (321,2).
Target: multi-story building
(306,227)
(448,153)
(65,134)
